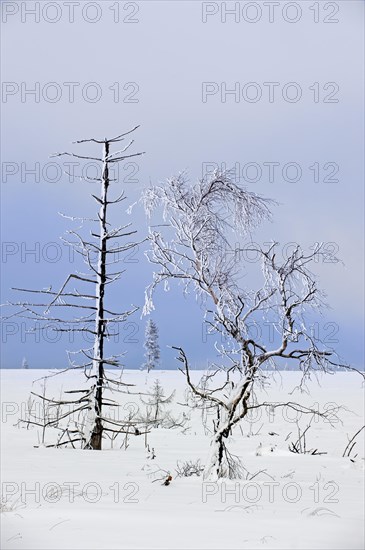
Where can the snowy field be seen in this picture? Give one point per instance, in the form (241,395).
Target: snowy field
(115,498)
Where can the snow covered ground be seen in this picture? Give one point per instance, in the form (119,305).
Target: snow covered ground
(114,499)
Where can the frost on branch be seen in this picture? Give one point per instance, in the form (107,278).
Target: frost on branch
(201,217)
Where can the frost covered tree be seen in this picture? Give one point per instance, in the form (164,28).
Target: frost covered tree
(95,316)
(151,346)
(25,364)
(156,415)
(156,403)
(193,247)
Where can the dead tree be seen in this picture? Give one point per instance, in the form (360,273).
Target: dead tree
(95,317)
(193,247)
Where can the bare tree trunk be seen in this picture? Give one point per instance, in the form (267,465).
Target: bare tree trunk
(217,465)
(214,468)
(98,365)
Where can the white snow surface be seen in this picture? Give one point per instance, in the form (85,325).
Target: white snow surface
(114,499)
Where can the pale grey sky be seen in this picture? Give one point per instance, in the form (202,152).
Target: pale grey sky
(158,65)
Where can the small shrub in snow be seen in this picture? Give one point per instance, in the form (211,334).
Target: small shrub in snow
(189,468)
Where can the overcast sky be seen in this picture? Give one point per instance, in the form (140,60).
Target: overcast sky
(168,66)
